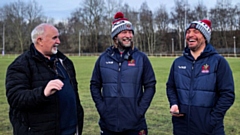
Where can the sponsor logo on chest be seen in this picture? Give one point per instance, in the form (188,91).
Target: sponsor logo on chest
(205,68)
(131,62)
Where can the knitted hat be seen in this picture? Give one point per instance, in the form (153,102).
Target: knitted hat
(204,26)
(120,23)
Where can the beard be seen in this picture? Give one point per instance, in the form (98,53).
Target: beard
(122,45)
(199,44)
(55,49)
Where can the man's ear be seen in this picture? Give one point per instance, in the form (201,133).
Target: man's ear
(39,40)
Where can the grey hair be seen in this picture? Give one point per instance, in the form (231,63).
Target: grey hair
(38,30)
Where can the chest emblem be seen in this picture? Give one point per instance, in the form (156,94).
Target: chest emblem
(205,68)
(131,62)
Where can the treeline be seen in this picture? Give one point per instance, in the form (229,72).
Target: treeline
(88,27)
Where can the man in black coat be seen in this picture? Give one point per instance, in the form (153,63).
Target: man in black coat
(41,88)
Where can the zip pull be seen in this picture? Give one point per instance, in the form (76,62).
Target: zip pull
(119,66)
(193,64)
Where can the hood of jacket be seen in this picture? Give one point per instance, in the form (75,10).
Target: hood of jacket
(208,50)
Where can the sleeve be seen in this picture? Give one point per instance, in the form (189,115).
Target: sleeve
(225,90)
(171,88)
(18,87)
(96,85)
(149,83)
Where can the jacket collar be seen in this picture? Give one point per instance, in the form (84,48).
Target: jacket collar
(112,50)
(208,50)
(39,56)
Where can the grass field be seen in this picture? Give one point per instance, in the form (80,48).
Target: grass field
(158,117)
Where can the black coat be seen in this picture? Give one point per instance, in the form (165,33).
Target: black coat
(31,113)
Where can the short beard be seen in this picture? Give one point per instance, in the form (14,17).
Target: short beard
(55,51)
(196,48)
(121,46)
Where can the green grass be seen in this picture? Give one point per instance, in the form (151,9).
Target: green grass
(158,117)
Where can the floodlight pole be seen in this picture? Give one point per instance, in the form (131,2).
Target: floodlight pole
(3,39)
(79,44)
(185,21)
(234,46)
(172,46)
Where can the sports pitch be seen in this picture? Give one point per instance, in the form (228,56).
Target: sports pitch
(158,117)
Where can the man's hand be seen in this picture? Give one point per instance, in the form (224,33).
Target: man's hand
(52,87)
(175,111)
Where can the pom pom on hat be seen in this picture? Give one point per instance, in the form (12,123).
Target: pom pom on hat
(204,26)
(119,24)
(119,15)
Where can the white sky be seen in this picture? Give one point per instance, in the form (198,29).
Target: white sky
(61,9)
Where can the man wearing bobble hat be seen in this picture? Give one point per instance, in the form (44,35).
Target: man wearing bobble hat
(123,83)
(200,87)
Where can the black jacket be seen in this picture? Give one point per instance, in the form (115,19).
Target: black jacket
(31,113)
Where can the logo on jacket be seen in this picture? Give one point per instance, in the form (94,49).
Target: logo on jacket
(205,68)
(109,62)
(142,132)
(131,62)
(182,67)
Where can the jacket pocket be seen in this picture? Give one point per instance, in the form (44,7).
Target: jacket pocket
(208,127)
(101,109)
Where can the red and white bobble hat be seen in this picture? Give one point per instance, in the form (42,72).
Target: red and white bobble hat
(204,26)
(120,23)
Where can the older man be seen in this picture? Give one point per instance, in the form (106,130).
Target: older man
(42,89)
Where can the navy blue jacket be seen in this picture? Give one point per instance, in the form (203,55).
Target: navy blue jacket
(122,89)
(203,89)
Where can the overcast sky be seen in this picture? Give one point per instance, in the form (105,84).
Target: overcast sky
(61,9)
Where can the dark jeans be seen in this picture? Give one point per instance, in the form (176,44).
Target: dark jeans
(128,132)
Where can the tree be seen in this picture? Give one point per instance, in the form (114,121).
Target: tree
(162,23)
(178,20)
(147,31)
(199,12)
(19,19)
(222,18)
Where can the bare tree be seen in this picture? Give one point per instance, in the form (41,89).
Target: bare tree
(146,21)
(237,16)
(94,9)
(221,21)
(162,22)
(199,12)
(178,20)
(20,18)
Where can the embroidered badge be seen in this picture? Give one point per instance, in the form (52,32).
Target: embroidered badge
(142,132)
(205,68)
(131,62)
(128,26)
(193,25)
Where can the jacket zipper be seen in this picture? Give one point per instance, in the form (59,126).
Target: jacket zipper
(119,86)
(190,94)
